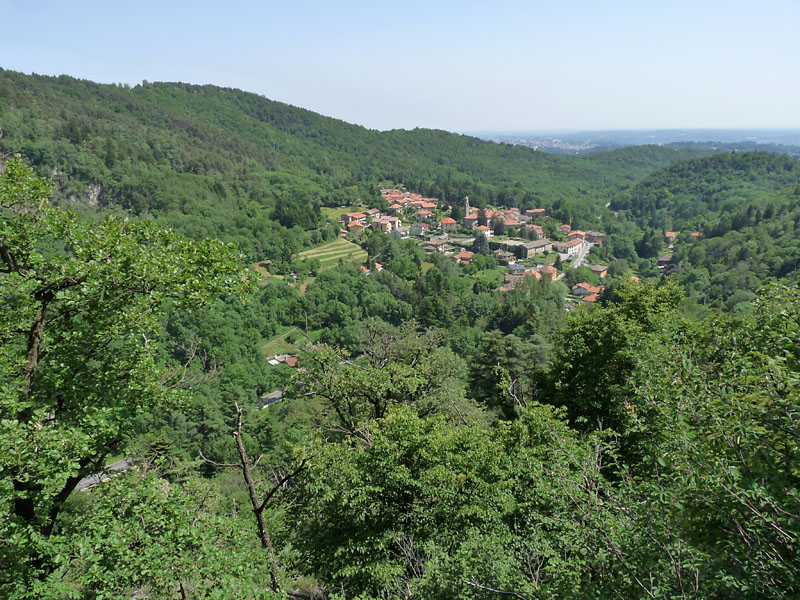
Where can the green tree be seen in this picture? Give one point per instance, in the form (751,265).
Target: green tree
(78,337)
(481,245)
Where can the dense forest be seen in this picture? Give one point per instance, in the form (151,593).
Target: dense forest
(214,162)
(436,438)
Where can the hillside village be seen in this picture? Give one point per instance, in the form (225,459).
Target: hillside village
(515,238)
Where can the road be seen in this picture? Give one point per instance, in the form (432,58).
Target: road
(578,260)
(110,471)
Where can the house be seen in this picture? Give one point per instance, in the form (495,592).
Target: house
(501,254)
(464,257)
(517,269)
(599,270)
(484,231)
(595,237)
(424,214)
(420,228)
(537,229)
(535,213)
(289,359)
(385,224)
(695,234)
(577,234)
(354,228)
(437,245)
(401,233)
(471,221)
(591,298)
(564,228)
(372,213)
(670,236)
(358,217)
(549,271)
(570,248)
(537,247)
(448,224)
(586,289)
(395,208)
(664,260)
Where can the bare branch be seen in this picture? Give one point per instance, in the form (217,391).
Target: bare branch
(496,591)
(263,532)
(216,464)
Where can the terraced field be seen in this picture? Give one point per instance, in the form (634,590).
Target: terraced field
(329,254)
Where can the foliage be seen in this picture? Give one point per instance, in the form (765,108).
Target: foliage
(78,353)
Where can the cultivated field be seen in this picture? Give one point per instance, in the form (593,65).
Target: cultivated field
(329,254)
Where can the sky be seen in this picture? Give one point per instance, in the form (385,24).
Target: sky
(461,66)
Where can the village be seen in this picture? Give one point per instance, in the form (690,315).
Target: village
(515,238)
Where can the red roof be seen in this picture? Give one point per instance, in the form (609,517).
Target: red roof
(471,217)
(549,270)
(292,361)
(590,298)
(511,223)
(448,221)
(695,234)
(482,228)
(354,224)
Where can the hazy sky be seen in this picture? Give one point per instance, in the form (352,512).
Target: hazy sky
(501,65)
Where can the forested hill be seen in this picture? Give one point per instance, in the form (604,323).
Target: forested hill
(209,160)
(742,209)
(696,191)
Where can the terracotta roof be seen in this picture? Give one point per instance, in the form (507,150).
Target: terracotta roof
(354,224)
(448,220)
(292,361)
(569,244)
(471,217)
(695,234)
(511,223)
(592,289)
(590,298)
(549,270)
(482,228)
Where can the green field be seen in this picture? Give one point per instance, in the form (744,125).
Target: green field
(329,254)
(491,276)
(334,214)
(279,344)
